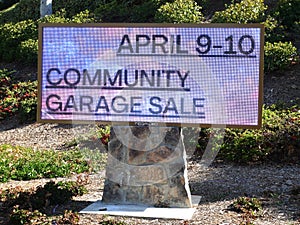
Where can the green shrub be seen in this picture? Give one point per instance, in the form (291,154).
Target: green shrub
(23,10)
(277,140)
(274,32)
(30,9)
(280,127)
(127,11)
(74,7)
(19,40)
(28,101)
(144,12)
(83,17)
(279,55)
(12,35)
(288,12)
(6,81)
(25,216)
(58,17)
(17,98)
(203,3)
(28,51)
(61,17)
(246,11)
(51,192)
(59,193)
(27,206)
(7,3)
(179,11)
(250,208)
(247,205)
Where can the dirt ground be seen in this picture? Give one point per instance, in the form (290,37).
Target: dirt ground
(283,87)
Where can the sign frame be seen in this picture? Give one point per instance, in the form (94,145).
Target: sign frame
(152,25)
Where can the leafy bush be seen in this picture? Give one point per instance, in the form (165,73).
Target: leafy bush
(203,3)
(288,12)
(23,10)
(83,17)
(127,11)
(17,98)
(19,41)
(27,206)
(24,216)
(28,51)
(7,3)
(54,193)
(30,9)
(247,205)
(251,208)
(61,17)
(179,11)
(20,163)
(274,32)
(277,140)
(12,35)
(74,7)
(5,80)
(279,55)
(246,11)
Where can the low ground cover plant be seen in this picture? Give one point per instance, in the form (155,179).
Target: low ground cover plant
(247,205)
(250,208)
(16,97)
(35,206)
(30,206)
(19,163)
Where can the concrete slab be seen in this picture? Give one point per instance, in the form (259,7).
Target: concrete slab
(131,210)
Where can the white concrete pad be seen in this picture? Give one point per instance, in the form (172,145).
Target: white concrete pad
(131,210)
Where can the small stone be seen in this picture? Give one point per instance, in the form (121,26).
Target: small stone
(161,154)
(136,157)
(285,188)
(274,188)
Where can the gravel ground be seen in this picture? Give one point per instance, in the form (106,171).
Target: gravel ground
(276,186)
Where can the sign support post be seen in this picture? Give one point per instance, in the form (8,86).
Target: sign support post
(156,176)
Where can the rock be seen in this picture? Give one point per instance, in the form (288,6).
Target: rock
(147,166)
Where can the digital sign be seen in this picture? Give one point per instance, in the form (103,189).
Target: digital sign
(181,75)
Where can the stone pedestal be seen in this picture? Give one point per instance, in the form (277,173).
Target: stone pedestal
(147,165)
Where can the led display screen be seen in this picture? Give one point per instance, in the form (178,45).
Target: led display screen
(185,75)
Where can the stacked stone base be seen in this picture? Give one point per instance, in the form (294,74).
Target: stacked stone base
(147,166)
